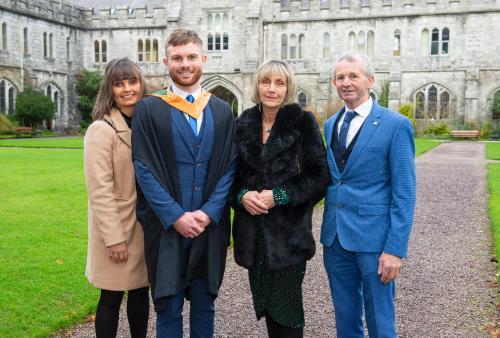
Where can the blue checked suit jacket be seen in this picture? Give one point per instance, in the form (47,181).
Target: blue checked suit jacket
(370,205)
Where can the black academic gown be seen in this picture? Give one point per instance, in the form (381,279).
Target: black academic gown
(170,270)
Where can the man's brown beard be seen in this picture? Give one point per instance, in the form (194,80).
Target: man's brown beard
(186,83)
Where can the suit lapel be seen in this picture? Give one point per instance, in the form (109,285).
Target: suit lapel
(329,138)
(371,124)
(122,130)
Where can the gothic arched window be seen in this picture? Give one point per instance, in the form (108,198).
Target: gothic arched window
(218,27)
(148,50)
(210,41)
(104,51)
(45,45)
(25,41)
(420,105)
(495,106)
(445,39)
(302,98)
(435,42)
(326,45)
(4,36)
(97,51)
(370,43)
(301,46)
(396,44)
(424,42)
(284,46)
(7,97)
(433,101)
(361,46)
(155,51)
(140,50)
(352,41)
(293,47)
(51,45)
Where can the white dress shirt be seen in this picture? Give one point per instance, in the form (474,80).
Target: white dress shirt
(179,92)
(362,111)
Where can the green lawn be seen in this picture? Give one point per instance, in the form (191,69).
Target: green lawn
(74,142)
(493,150)
(493,153)
(44,240)
(44,236)
(422,145)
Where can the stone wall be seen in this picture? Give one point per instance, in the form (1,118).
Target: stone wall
(470,71)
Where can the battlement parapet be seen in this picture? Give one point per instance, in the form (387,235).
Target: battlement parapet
(348,9)
(125,17)
(58,11)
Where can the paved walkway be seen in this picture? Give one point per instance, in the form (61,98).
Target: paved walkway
(445,289)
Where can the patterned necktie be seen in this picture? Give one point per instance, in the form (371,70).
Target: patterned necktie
(192,120)
(344,129)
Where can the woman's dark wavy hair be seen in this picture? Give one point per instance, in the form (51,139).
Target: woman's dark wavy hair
(116,70)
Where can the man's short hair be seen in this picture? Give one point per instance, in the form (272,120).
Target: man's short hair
(181,37)
(353,57)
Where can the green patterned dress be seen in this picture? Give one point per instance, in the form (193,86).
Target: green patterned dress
(276,293)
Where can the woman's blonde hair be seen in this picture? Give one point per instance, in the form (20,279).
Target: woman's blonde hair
(116,70)
(275,67)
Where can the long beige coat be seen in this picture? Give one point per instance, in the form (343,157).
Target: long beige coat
(109,174)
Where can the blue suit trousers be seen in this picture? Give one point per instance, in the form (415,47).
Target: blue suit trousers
(201,316)
(354,282)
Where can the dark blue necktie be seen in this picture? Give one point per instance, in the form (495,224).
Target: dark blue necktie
(192,120)
(344,129)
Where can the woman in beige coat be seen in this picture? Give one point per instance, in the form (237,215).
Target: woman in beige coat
(115,260)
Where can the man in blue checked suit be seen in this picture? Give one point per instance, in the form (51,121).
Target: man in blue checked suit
(369,204)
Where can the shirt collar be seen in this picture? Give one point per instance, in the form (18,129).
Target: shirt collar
(179,92)
(363,109)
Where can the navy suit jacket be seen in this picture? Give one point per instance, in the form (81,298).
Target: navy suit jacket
(370,205)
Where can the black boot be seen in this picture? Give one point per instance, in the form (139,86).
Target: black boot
(275,330)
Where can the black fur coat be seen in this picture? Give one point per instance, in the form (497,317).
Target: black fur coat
(293,158)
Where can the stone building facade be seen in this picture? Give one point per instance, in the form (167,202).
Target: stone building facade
(440,55)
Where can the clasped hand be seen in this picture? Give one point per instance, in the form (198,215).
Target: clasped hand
(192,224)
(118,253)
(258,203)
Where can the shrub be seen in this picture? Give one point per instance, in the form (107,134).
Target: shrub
(32,107)
(486,129)
(383,99)
(407,110)
(6,125)
(467,125)
(87,87)
(438,129)
(496,105)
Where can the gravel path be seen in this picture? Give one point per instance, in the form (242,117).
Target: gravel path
(445,289)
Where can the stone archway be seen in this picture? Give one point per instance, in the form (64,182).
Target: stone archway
(228,96)
(225,90)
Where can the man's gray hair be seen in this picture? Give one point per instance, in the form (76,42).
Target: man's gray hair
(353,57)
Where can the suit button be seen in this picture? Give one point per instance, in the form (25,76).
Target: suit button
(339,206)
(196,188)
(198,165)
(341,182)
(198,146)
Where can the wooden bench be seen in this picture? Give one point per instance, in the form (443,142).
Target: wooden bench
(465,133)
(26,130)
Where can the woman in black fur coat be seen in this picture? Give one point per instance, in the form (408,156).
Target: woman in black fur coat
(282,173)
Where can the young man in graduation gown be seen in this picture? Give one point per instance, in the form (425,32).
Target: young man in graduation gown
(184,157)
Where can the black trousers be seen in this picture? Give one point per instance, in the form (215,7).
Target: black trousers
(108,310)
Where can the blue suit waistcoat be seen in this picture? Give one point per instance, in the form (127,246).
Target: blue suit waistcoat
(192,154)
(370,204)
